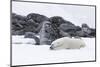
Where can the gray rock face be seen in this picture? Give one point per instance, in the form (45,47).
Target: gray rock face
(84,25)
(45,33)
(18,32)
(59,20)
(30,23)
(64,34)
(72,30)
(29,26)
(36,17)
(93,32)
(17,27)
(68,29)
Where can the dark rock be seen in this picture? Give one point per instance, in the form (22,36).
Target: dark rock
(59,20)
(64,34)
(86,28)
(37,17)
(36,20)
(29,27)
(32,22)
(17,32)
(85,25)
(78,28)
(67,27)
(82,34)
(17,26)
(18,17)
(56,21)
(69,30)
(17,21)
(87,31)
(93,32)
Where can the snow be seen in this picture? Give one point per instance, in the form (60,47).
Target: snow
(24,53)
(21,40)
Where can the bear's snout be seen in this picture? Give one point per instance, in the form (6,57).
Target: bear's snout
(51,48)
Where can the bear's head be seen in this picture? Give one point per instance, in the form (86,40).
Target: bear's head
(57,44)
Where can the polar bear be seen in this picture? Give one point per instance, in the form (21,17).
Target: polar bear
(67,43)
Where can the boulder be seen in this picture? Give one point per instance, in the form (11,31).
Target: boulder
(36,20)
(88,32)
(18,23)
(68,29)
(93,32)
(78,28)
(17,32)
(30,26)
(84,25)
(59,20)
(64,34)
(37,17)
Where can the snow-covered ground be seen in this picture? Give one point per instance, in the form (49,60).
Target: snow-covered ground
(24,52)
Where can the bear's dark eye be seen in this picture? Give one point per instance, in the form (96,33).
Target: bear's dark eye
(52,44)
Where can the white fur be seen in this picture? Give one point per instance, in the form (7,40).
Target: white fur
(67,43)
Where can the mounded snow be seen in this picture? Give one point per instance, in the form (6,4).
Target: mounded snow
(25,53)
(21,40)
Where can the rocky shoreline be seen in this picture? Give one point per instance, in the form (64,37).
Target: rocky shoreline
(33,23)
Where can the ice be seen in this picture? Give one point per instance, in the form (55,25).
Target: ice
(21,40)
(24,54)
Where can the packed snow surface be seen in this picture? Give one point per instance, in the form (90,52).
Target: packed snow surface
(25,52)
